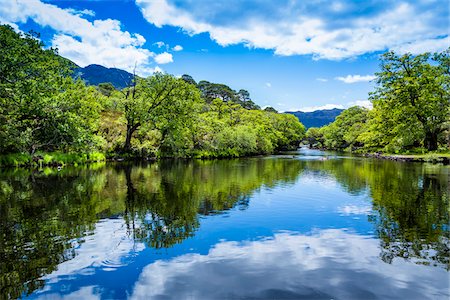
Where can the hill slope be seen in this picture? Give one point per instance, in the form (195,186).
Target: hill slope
(317,118)
(95,74)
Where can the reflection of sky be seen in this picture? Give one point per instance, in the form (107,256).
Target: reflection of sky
(308,239)
(328,264)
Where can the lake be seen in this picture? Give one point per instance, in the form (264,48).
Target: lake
(304,225)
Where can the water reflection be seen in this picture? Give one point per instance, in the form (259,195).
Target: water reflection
(56,226)
(329,264)
(45,215)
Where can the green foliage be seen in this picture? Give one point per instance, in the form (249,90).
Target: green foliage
(314,137)
(45,215)
(41,108)
(345,131)
(106,88)
(211,91)
(41,159)
(411,109)
(160,102)
(411,102)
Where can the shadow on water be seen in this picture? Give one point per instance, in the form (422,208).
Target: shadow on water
(45,216)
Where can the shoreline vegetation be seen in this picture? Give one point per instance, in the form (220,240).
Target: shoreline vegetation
(48,118)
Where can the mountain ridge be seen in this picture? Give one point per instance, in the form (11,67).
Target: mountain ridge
(317,118)
(95,74)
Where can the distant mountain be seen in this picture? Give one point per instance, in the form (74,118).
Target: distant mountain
(95,74)
(317,118)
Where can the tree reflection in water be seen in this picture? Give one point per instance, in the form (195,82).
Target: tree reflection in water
(45,215)
(410,205)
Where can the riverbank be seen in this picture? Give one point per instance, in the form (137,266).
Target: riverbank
(49,159)
(443,158)
(59,159)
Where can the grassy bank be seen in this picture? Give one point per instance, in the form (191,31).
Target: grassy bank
(55,159)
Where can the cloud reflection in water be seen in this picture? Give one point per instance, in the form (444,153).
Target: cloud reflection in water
(329,264)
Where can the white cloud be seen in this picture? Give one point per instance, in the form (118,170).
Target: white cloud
(328,264)
(177,48)
(163,58)
(347,210)
(322,79)
(268,84)
(109,246)
(362,103)
(356,78)
(84,12)
(159,44)
(305,27)
(101,41)
(157,69)
(321,107)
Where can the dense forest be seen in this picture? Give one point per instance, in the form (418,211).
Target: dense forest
(411,110)
(47,116)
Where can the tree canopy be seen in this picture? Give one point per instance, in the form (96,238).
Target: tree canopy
(411,109)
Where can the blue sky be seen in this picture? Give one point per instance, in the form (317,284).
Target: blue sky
(292,55)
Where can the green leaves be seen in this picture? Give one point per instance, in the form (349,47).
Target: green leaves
(411,108)
(414,92)
(41,107)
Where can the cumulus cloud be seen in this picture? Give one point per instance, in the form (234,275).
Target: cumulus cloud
(177,48)
(160,44)
(268,84)
(163,58)
(355,78)
(84,12)
(322,79)
(342,30)
(329,264)
(362,103)
(101,41)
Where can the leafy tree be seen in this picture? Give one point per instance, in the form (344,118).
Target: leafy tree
(345,131)
(270,109)
(106,88)
(314,137)
(189,79)
(413,95)
(159,101)
(41,108)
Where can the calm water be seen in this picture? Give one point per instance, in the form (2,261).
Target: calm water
(303,226)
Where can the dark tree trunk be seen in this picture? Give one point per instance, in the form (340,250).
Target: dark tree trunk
(431,140)
(130,131)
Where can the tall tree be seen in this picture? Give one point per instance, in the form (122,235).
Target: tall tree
(159,101)
(40,105)
(414,92)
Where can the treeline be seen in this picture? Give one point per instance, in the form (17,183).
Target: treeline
(42,109)
(411,110)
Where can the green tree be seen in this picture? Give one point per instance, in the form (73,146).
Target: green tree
(41,108)
(159,101)
(413,92)
(345,131)
(314,137)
